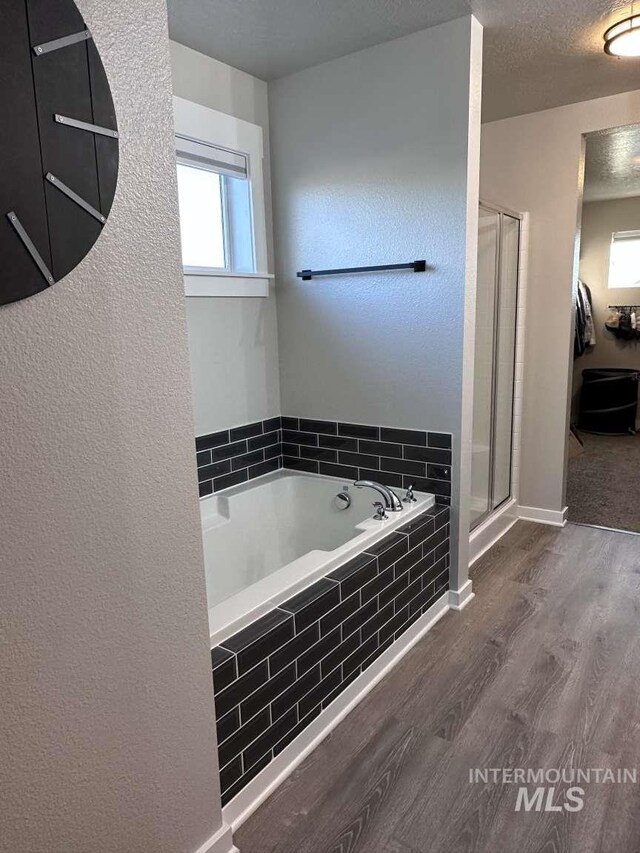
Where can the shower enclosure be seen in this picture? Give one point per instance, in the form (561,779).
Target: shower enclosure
(493,398)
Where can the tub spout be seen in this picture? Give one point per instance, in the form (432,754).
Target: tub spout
(391,501)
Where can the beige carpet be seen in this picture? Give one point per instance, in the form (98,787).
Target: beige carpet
(603,484)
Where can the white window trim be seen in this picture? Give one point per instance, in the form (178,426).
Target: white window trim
(218,128)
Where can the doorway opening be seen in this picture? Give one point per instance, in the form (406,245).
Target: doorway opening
(603,481)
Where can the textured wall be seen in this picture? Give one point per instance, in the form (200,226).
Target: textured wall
(370,166)
(233,343)
(599,220)
(105,706)
(532,163)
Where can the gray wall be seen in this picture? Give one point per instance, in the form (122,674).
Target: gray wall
(534,163)
(599,220)
(370,166)
(108,740)
(232,342)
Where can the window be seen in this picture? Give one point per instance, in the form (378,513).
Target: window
(624,260)
(221,199)
(214,192)
(202,225)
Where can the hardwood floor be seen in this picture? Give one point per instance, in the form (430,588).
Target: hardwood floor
(542,670)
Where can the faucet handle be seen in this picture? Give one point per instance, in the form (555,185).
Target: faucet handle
(410,497)
(381,514)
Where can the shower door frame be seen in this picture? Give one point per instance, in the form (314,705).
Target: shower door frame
(501,211)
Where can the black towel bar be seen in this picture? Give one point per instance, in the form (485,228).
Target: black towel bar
(416,266)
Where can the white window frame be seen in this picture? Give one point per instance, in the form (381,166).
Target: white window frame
(620,236)
(216,128)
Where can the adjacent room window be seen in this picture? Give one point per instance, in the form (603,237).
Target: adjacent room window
(221,196)
(624,260)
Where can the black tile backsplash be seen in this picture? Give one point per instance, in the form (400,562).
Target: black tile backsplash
(359,460)
(343,471)
(209,472)
(428,454)
(230,457)
(227,451)
(323,454)
(247,460)
(205,489)
(396,457)
(275,676)
(263,468)
(318,426)
(272,424)
(308,465)
(359,431)
(246,431)
(403,436)
(439,439)
(293,436)
(381,448)
(269,439)
(213,440)
(338,442)
(229,480)
(404,466)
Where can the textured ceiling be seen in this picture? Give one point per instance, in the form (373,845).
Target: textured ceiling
(271,38)
(612,167)
(538,53)
(546,53)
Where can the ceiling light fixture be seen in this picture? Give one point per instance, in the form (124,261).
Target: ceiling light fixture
(623,38)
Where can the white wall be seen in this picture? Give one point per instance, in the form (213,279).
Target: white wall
(106,707)
(599,220)
(534,163)
(232,342)
(372,155)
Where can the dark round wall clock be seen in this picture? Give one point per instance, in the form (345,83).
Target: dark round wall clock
(58,144)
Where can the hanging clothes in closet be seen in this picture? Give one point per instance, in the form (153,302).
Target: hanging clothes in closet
(585,333)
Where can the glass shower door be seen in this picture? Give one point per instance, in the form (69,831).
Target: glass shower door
(496,317)
(488,238)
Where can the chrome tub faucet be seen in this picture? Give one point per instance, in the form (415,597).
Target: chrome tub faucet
(390,501)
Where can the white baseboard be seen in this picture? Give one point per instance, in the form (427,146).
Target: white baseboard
(221,842)
(490,531)
(459,598)
(553,517)
(256,792)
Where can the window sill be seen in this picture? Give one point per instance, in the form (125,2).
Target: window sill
(228,284)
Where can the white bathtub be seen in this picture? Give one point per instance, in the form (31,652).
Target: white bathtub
(266,540)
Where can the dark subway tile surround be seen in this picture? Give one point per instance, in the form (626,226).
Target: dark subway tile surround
(230,457)
(273,678)
(395,457)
